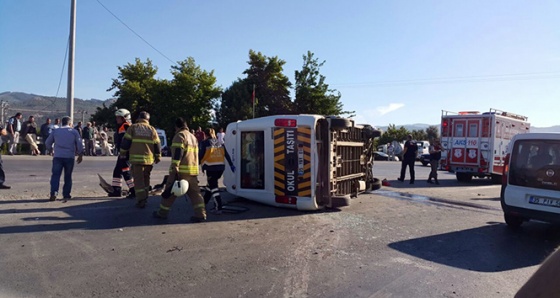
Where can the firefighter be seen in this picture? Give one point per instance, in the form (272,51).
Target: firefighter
(184,166)
(122,167)
(141,145)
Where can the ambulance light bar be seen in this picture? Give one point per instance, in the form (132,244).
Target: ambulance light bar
(285,122)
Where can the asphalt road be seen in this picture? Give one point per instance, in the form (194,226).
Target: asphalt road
(401,241)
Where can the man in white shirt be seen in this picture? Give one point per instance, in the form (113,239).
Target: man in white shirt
(220,136)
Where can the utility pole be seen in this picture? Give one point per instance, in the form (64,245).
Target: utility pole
(83,112)
(71,49)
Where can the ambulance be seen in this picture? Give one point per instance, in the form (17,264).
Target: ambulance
(475,144)
(304,162)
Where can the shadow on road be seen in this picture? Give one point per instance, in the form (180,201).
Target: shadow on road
(491,248)
(105,213)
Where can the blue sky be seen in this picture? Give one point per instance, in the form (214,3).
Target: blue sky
(395,62)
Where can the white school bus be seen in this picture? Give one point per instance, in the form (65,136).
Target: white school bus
(306,162)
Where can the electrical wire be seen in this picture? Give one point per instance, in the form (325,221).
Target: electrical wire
(138,35)
(63,66)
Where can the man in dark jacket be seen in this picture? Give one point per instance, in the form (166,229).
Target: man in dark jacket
(45,132)
(409,158)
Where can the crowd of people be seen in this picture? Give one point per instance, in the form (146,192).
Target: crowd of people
(138,148)
(28,132)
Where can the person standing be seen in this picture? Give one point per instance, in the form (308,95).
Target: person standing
(45,131)
(184,166)
(391,151)
(87,135)
(435,156)
(56,124)
(67,144)
(13,128)
(122,167)
(212,156)
(220,136)
(79,128)
(3,132)
(199,136)
(141,144)
(104,140)
(409,158)
(29,133)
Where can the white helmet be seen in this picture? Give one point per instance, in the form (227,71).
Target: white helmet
(123,113)
(180,187)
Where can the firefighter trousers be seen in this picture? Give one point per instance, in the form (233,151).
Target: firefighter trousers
(122,169)
(193,193)
(141,175)
(212,191)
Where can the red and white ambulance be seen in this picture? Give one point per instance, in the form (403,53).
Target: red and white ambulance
(306,162)
(475,144)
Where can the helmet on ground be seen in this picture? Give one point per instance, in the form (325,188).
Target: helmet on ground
(180,187)
(123,113)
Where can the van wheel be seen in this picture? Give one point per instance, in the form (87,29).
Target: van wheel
(513,221)
(464,177)
(340,123)
(375,184)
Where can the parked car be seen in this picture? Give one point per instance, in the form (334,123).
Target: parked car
(425,159)
(378,155)
(165,150)
(530,184)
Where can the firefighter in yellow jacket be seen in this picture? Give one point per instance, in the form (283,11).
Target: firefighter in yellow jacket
(184,165)
(141,142)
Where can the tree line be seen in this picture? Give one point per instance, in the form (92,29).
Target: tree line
(193,94)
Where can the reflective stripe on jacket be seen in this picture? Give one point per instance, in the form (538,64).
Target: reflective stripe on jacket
(141,141)
(184,148)
(214,154)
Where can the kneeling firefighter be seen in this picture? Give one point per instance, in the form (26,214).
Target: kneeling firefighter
(184,166)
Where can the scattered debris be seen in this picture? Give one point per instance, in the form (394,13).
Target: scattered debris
(175,248)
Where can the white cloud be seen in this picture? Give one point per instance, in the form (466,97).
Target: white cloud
(390,108)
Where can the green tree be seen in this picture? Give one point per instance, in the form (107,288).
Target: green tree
(134,86)
(191,94)
(419,135)
(270,84)
(105,116)
(432,132)
(313,95)
(235,104)
(393,134)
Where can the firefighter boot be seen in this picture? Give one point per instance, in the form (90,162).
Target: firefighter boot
(117,192)
(131,194)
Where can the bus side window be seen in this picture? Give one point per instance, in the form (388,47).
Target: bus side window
(252,160)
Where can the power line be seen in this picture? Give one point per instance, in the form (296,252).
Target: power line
(451,80)
(63,65)
(135,32)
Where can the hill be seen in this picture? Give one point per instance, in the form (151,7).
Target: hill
(47,106)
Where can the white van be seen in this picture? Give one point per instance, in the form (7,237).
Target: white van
(531,179)
(306,162)
(165,150)
(423,148)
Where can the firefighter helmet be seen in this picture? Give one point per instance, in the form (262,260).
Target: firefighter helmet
(180,187)
(123,113)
